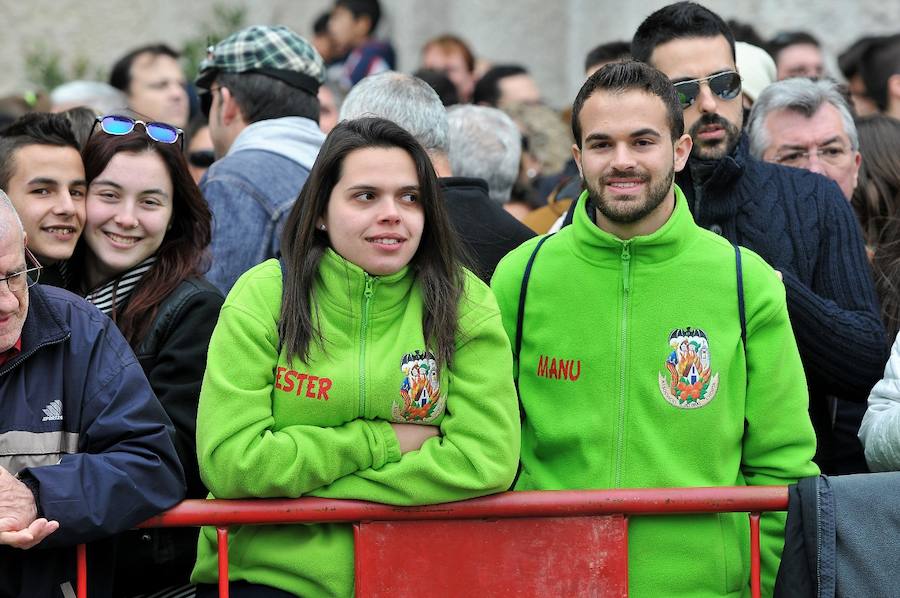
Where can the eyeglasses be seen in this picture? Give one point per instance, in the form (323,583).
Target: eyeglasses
(830,154)
(206,98)
(115,124)
(201,158)
(19,281)
(726,85)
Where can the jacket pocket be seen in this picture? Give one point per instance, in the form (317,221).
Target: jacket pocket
(735,536)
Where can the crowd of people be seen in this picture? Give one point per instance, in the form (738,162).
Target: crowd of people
(305,273)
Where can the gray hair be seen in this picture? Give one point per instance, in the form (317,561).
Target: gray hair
(800,95)
(6,205)
(99,97)
(485,143)
(406,100)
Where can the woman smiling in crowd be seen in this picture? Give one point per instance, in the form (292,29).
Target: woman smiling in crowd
(140,261)
(367,364)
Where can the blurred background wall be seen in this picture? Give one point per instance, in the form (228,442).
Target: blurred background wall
(66,39)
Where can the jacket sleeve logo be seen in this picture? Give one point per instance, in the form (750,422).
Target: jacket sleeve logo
(690,382)
(420,390)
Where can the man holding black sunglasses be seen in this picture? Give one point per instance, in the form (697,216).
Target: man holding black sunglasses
(258,88)
(797,221)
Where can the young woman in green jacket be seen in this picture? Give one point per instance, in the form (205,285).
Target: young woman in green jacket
(365,364)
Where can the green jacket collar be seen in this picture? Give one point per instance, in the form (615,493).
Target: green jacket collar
(595,245)
(343,283)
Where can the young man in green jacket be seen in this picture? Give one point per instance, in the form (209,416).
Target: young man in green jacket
(649,378)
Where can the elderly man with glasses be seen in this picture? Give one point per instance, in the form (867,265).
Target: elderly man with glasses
(799,222)
(807,124)
(86,448)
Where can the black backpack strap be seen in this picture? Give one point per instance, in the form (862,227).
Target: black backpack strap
(520,315)
(520,320)
(740,294)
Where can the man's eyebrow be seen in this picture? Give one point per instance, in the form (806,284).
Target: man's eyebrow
(801,146)
(40,180)
(647,132)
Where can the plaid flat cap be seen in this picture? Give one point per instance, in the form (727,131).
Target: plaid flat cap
(273,51)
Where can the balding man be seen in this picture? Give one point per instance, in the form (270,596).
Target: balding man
(86,448)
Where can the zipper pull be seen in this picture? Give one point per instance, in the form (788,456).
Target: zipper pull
(369,284)
(626,263)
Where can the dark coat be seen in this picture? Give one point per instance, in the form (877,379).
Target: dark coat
(486,231)
(803,226)
(107,461)
(173,355)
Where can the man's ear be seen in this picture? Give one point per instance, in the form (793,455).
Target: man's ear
(682,151)
(230,111)
(893,89)
(576,154)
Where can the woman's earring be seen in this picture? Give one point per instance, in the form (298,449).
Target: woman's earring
(321,227)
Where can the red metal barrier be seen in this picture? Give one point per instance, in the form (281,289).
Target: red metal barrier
(553,507)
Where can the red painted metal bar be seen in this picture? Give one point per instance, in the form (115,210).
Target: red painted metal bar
(81,571)
(755,568)
(222,542)
(559,503)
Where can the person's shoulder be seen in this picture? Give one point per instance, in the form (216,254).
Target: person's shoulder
(69,306)
(258,287)
(796,186)
(513,263)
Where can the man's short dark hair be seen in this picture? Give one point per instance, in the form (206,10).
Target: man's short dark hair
(879,63)
(678,21)
(487,90)
(320,25)
(440,83)
(608,52)
(850,60)
(120,76)
(786,39)
(260,97)
(363,8)
(619,77)
(35,128)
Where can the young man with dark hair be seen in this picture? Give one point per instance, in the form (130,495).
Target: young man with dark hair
(259,88)
(879,68)
(154,82)
(797,54)
(676,385)
(505,84)
(604,54)
(42,173)
(352,26)
(798,221)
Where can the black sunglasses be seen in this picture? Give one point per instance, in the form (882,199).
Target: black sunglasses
(201,158)
(725,85)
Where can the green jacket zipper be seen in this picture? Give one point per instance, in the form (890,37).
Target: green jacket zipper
(364,327)
(620,436)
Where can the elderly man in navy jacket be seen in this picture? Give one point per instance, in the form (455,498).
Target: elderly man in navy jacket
(85,450)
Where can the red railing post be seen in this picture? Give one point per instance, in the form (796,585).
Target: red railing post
(222,542)
(81,568)
(755,569)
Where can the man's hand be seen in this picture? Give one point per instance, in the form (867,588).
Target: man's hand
(412,436)
(17,508)
(30,536)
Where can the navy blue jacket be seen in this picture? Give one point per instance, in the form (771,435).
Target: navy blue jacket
(802,225)
(78,417)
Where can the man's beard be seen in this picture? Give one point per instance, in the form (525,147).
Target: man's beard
(634,209)
(714,149)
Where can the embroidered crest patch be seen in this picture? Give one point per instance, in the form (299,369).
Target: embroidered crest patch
(420,390)
(690,382)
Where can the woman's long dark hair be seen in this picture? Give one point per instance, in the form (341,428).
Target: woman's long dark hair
(182,253)
(876,201)
(435,263)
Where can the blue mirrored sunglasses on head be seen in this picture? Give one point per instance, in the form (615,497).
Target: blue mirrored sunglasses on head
(115,124)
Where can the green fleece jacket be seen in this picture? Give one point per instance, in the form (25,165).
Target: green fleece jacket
(267,427)
(633,374)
